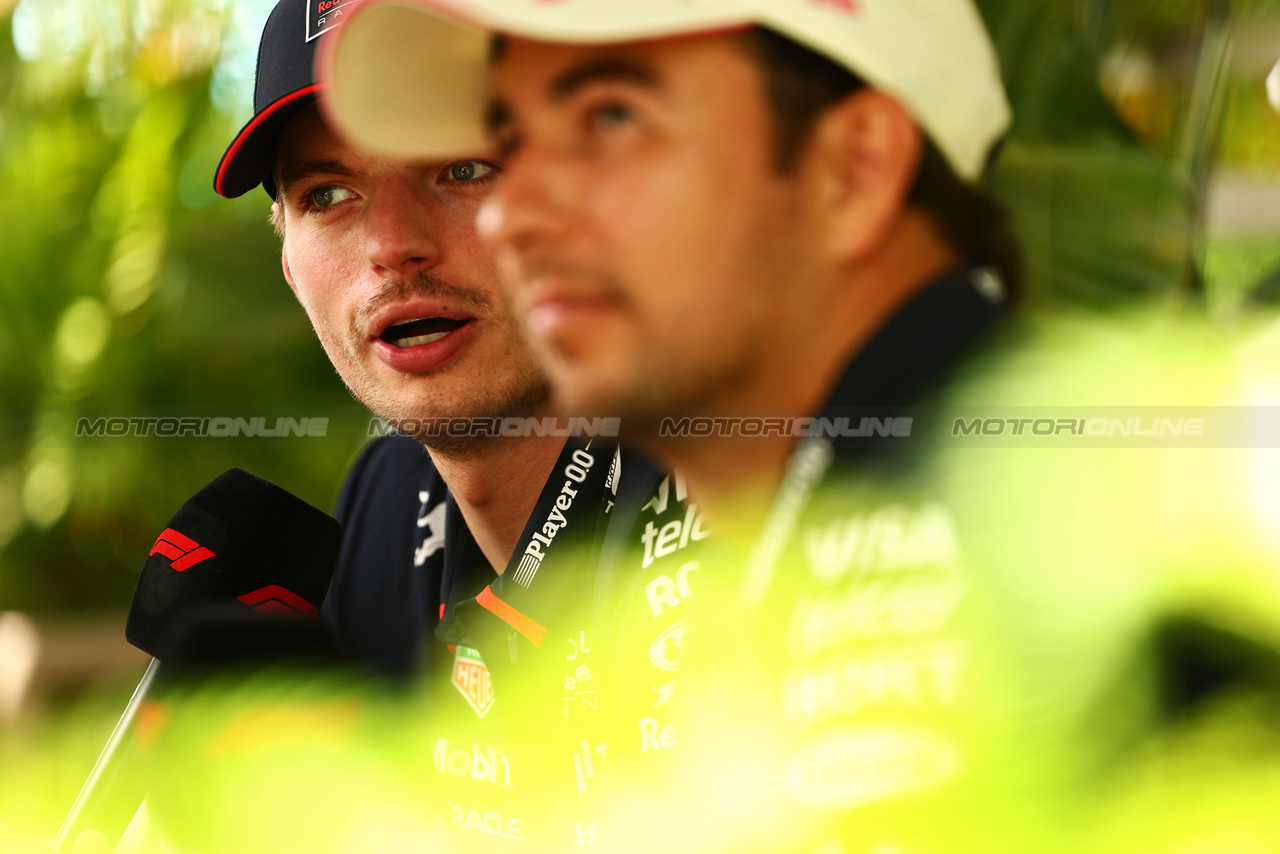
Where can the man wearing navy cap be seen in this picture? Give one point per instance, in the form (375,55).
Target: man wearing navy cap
(455,559)
(383,254)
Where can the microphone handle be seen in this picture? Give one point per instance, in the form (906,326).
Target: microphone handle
(83,812)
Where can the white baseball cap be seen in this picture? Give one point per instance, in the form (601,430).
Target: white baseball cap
(407,77)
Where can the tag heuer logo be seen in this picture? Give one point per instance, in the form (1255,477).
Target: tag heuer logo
(471,678)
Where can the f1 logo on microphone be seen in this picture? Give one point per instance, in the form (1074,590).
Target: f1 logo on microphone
(275,599)
(182,551)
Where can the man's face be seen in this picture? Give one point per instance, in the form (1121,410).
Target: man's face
(384,256)
(641,227)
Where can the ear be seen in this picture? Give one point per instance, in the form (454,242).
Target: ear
(866,152)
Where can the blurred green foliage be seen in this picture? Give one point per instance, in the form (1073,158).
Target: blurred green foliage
(45,758)
(1124,111)
(128,287)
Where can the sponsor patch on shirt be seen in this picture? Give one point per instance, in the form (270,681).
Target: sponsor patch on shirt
(471,678)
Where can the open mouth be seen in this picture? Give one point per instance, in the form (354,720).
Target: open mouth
(421,330)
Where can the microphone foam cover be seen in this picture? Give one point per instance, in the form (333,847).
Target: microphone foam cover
(240,538)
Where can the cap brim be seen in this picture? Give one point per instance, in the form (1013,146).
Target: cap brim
(408,77)
(248,160)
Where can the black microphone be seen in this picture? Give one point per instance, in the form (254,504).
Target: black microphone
(240,538)
(234,562)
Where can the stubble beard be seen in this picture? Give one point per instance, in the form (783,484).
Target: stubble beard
(434,429)
(644,388)
(662,375)
(526,392)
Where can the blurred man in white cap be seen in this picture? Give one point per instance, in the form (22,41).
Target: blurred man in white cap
(755,229)
(765,212)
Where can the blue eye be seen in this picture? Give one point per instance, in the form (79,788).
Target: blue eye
(328,196)
(469,170)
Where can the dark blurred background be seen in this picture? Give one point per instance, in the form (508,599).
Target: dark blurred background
(1144,165)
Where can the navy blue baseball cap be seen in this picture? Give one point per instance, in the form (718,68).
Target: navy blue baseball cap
(284,83)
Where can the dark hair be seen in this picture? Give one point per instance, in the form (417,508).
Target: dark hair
(801,84)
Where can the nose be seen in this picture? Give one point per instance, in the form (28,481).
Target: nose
(532,204)
(400,235)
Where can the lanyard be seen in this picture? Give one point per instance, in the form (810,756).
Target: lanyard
(561,529)
(806,467)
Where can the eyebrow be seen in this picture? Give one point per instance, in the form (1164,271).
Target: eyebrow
(603,69)
(294,172)
(497,116)
(600,69)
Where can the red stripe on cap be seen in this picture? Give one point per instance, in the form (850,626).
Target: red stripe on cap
(489,600)
(270,110)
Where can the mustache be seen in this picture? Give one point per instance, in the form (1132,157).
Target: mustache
(583,278)
(423,285)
